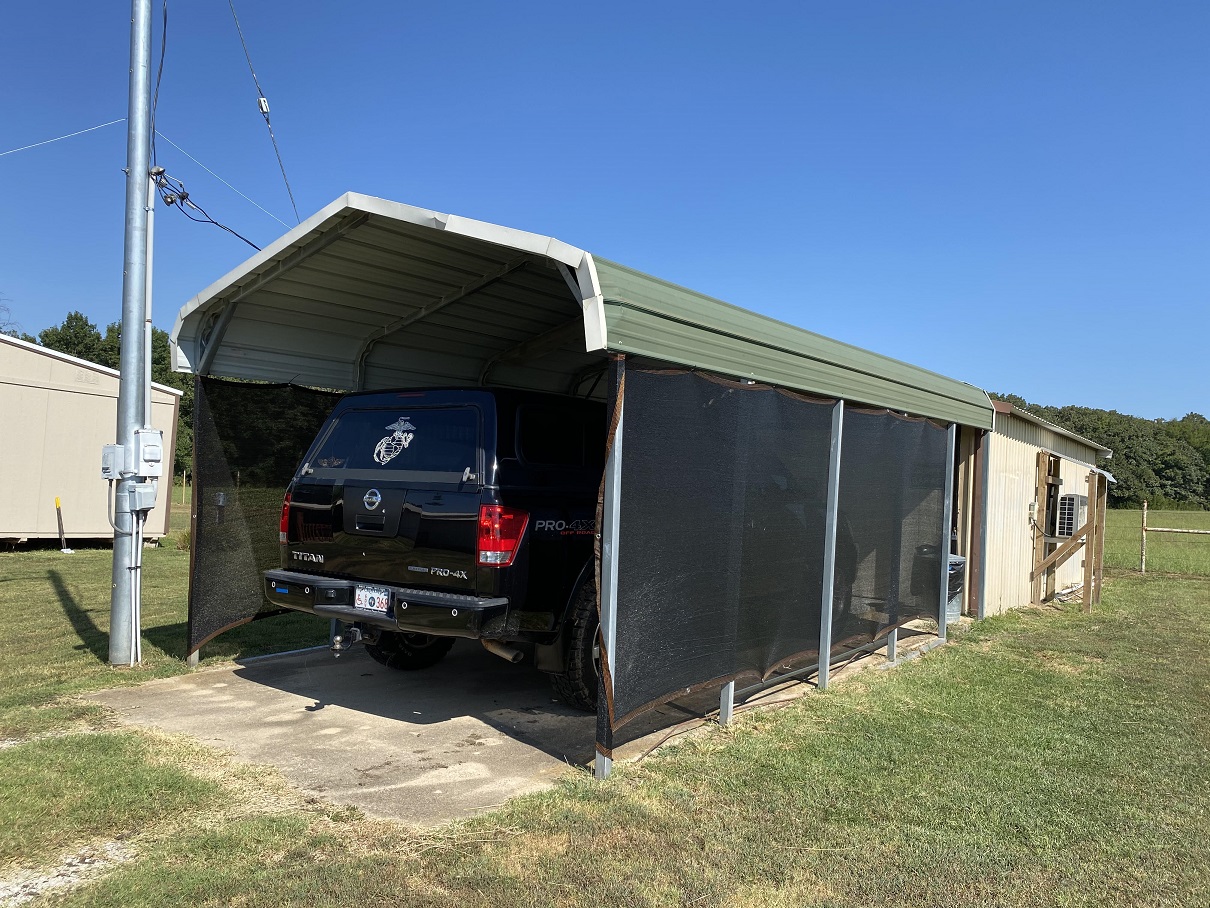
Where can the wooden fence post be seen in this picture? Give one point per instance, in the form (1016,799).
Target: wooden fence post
(1090,544)
(1143,547)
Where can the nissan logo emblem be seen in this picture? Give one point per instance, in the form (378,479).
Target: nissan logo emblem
(373,499)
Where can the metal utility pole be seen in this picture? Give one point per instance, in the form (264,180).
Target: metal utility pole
(123,645)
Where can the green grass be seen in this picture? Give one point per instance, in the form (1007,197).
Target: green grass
(1044,758)
(100,786)
(55,609)
(179,518)
(1166,552)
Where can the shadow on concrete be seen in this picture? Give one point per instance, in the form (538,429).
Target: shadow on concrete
(515,700)
(423,747)
(92,638)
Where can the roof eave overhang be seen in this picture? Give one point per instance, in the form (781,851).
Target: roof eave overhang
(1002,407)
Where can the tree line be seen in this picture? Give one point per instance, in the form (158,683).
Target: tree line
(1165,462)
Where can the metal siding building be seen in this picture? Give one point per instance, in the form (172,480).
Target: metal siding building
(58,411)
(1013,449)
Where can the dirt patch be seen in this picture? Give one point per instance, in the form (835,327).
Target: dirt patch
(83,866)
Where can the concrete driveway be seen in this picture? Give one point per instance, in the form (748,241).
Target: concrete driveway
(423,747)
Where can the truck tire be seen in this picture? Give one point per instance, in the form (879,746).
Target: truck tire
(576,685)
(408,652)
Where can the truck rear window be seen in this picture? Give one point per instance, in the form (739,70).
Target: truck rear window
(444,440)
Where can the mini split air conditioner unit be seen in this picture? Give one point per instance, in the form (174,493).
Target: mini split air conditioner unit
(1073,512)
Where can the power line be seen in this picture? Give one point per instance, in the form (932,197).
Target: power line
(221,180)
(174,195)
(263,104)
(155,101)
(61,138)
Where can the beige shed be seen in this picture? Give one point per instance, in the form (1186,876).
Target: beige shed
(56,412)
(1043,524)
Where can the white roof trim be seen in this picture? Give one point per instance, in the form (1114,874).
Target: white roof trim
(1058,430)
(76,361)
(353,202)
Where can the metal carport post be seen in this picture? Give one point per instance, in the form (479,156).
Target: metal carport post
(829,548)
(610,519)
(951,441)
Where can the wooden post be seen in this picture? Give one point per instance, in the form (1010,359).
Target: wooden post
(1143,546)
(1090,545)
(1039,525)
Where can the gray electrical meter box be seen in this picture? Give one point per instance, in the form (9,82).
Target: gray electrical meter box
(148,453)
(113,462)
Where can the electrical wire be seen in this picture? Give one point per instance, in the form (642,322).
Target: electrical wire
(155,100)
(263,103)
(61,138)
(174,195)
(221,180)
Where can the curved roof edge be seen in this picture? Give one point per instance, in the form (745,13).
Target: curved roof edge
(342,214)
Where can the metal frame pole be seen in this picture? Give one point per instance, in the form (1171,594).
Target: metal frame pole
(829,547)
(610,526)
(134,301)
(981,611)
(726,703)
(947,518)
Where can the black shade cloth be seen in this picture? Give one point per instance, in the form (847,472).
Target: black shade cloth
(248,440)
(892,496)
(720,557)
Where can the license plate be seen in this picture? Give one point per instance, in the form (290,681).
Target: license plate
(373,598)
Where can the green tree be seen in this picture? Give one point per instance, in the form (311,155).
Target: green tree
(1194,430)
(1153,460)
(77,336)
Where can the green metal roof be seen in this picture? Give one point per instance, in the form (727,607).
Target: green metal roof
(650,317)
(368,293)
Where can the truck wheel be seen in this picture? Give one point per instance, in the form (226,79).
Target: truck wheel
(407,652)
(576,685)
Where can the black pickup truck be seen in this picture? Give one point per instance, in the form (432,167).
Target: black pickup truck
(418,517)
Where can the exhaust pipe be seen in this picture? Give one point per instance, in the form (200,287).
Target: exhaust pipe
(504,651)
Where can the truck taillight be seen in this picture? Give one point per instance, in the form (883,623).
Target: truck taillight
(500,532)
(283,528)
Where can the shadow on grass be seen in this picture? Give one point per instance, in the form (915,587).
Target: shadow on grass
(92,638)
(169,639)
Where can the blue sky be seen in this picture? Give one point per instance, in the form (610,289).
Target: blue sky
(1016,194)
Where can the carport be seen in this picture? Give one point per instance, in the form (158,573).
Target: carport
(770,495)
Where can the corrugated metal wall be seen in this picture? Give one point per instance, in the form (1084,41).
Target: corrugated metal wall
(1012,482)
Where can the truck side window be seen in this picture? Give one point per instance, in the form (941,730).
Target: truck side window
(549,436)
